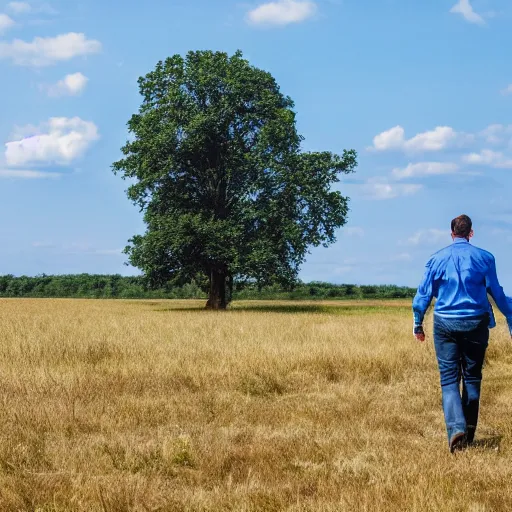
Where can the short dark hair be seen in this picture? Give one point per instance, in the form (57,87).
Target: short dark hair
(462,226)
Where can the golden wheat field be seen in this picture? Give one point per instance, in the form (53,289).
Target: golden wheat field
(160,406)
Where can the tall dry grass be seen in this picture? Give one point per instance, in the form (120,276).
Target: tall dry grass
(159,406)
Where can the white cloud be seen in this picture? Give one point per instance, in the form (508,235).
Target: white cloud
(5,23)
(507,91)
(495,133)
(434,140)
(27,175)
(506,163)
(425,169)
(380,190)
(428,236)
(60,141)
(464,8)
(442,137)
(70,85)
(19,7)
(354,231)
(390,139)
(282,12)
(47,51)
(488,157)
(394,139)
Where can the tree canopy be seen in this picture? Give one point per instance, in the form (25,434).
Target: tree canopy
(216,165)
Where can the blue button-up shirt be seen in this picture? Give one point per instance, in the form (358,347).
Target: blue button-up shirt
(460,276)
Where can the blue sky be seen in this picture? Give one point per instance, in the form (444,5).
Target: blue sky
(422,90)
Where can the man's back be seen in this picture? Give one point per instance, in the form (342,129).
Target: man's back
(459,279)
(460,276)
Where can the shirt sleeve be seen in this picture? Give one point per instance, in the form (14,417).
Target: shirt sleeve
(495,290)
(424,295)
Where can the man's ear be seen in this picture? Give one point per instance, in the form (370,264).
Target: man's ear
(471,234)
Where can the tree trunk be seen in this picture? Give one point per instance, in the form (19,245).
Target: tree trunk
(230,288)
(217,296)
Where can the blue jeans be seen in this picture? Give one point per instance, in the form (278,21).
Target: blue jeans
(460,349)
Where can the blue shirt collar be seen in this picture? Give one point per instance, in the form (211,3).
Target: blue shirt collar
(461,241)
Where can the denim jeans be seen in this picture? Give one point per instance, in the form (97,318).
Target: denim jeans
(460,349)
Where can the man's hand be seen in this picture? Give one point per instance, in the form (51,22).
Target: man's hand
(419,333)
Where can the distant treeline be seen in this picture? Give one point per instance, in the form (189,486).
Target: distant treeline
(120,287)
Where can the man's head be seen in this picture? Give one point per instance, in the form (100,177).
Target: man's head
(462,227)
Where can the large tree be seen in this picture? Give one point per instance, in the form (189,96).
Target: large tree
(215,164)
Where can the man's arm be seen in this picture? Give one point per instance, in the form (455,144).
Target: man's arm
(422,301)
(495,290)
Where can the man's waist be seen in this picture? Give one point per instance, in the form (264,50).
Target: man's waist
(462,308)
(466,315)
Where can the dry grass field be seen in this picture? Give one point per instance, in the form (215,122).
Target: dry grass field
(160,406)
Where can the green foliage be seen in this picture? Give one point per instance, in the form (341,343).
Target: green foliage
(135,287)
(324,291)
(89,286)
(217,168)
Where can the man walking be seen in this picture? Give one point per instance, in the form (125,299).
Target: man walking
(460,277)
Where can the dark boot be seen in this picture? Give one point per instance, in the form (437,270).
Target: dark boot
(470,436)
(457,441)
